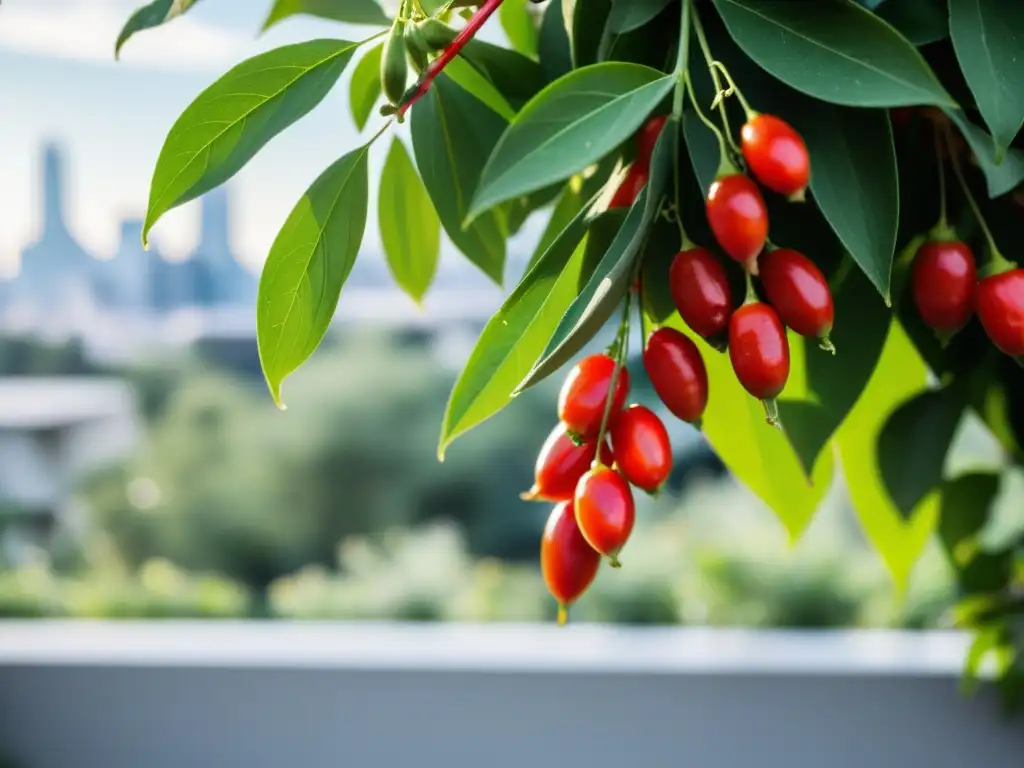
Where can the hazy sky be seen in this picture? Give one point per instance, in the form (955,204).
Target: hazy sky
(58,80)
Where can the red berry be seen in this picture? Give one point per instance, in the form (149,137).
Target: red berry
(560,465)
(630,188)
(567,562)
(677,373)
(643,452)
(582,400)
(700,291)
(605,510)
(738,217)
(944,278)
(777,155)
(759,350)
(798,292)
(647,138)
(1001,310)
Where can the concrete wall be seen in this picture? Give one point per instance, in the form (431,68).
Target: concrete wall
(308,695)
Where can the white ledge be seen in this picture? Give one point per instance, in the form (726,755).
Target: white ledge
(488,648)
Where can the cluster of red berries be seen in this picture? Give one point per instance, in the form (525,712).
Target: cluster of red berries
(594,506)
(588,479)
(947,291)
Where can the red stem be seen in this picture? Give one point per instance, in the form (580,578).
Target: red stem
(437,65)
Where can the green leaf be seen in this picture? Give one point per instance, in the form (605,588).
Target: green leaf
(1000,177)
(587,19)
(350,11)
(627,15)
(148,16)
(469,79)
(899,374)
(855,183)
(912,446)
(516,77)
(234,118)
(759,455)
(605,289)
(553,48)
(833,50)
(452,135)
(307,266)
(409,227)
(833,384)
(988,36)
(519,26)
(571,124)
(920,21)
(515,337)
(365,87)
(966,504)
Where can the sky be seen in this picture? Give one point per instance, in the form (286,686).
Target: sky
(59,80)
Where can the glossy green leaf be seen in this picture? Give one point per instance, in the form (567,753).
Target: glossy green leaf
(988,36)
(609,282)
(520,29)
(833,384)
(627,15)
(409,228)
(234,118)
(912,446)
(833,50)
(899,374)
(308,264)
(1000,177)
(855,183)
(553,48)
(515,337)
(469,79)
(452,135)
(759,455)
(587,20)
(966,504)
(569,205)
(349,11)
(920,21)
(516,77)
(571,124)
(148,16)
(364,90)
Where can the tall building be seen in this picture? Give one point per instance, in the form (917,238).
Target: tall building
(219,278)
(55,269)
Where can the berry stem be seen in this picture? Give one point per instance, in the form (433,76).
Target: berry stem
(563,615)
(682,60)
(941,231)
(712,70)
(997,262)
(726,167)
(733,90)
(622,343)
(771,412)
(751,294)
(476,21)
(685,243)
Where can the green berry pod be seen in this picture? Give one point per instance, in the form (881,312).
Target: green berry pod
(437,34)
(416,45)
(394,69)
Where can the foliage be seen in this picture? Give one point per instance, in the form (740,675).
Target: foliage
(550,121)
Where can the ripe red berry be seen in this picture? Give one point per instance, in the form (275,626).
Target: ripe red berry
(777,155)
(759,350)
(738,218)
(643,452)
(647,138)
(581,402)
(630,188)
(677,373)
(1001,310)
(605,510)
(567,562)
(560,465)
(798,292)
(944,278)
(700,291)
